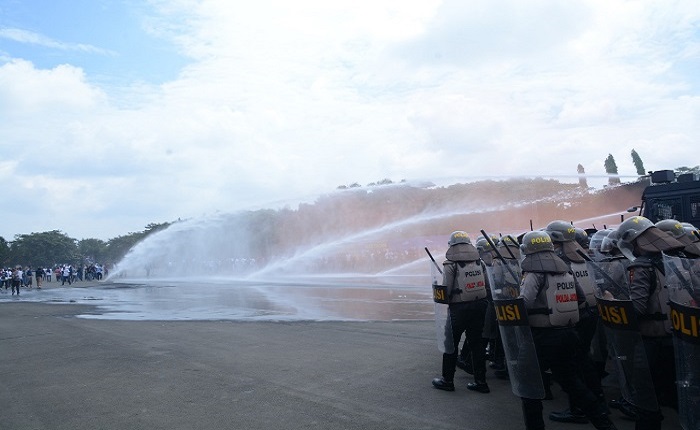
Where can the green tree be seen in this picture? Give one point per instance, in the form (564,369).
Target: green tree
(43,249)
(638,164)
(686,169)
(93,250)
(4,252)
(611,169)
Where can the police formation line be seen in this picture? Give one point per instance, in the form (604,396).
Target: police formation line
(559,305)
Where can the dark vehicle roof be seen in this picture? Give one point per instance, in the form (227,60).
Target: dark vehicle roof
(679,200)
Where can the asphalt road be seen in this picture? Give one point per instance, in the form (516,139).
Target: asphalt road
(58,371)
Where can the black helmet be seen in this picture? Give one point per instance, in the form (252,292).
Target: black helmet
(536,241)
(458,236)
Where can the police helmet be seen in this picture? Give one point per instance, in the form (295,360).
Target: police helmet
(640,231)
(509,247)
(672,227)
(458,236)
(483,245)
(691,231)
(582,237)
(609,242)
(561,231)
(536,241)
(508,241)
(597,239)
(632,227)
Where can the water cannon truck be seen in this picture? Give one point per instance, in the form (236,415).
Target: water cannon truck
(671,196)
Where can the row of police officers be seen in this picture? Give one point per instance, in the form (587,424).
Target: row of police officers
(565,303)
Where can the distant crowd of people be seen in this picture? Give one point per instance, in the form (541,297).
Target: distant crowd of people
(14,278)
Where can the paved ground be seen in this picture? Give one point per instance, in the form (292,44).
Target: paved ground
(62,372)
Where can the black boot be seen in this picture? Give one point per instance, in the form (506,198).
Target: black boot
(480,386)
(569,416)
(442,384)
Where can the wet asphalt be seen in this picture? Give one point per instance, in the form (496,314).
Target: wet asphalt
(58,371)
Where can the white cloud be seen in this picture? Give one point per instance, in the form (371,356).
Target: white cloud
(24,36)
(285,99)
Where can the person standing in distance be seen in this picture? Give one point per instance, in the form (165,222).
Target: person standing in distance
(551,296)
(465,282)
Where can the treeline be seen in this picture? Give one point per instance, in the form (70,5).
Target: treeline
(49,248)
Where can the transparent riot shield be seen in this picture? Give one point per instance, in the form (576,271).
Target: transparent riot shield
(683,286)
(622,331)
(610,279)
(682,276)
(443,324)
(504,277)
(521,356)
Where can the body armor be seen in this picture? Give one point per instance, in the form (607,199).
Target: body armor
(469,281)
(650,297)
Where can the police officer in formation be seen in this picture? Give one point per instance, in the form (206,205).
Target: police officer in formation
(490,335)
(552,298)
(557,290)
(465,282)
(568,248)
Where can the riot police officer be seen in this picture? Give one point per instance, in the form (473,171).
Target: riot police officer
(486,253)
(643,243)
(465,283)
(551,296)
(563,236)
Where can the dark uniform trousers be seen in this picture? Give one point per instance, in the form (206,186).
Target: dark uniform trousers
(662,363)
(586,328)
(467,318)
(558,349)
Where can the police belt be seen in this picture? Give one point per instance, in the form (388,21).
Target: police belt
(539,311)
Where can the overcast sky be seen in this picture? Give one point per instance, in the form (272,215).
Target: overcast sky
(116,114)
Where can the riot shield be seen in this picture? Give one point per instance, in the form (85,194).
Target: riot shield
(628,353)
(682,282)
(443,324)
(504,278)
(521,356)
(610,279)
(622,331)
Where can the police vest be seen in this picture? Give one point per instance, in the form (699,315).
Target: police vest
(470,282)
(586,281)
(562,301)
